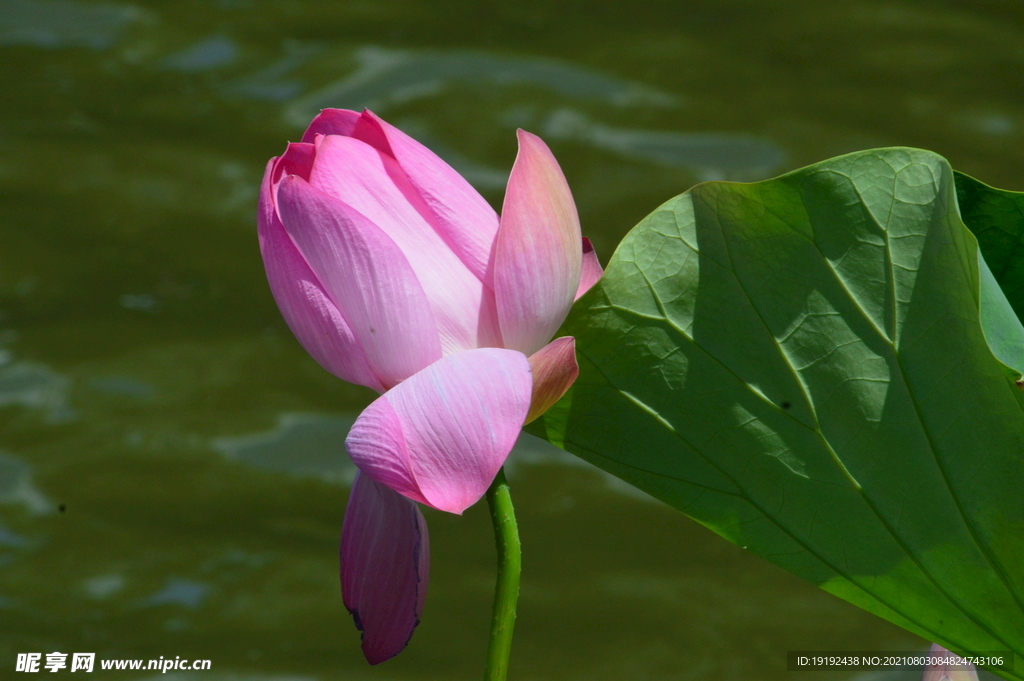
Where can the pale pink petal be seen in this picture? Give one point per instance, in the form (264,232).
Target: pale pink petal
(367,278)
(376,443)
(372,183)
(452,425)
(385,567)
(461,216)
(307,309)
(461,416)
(554,370)
(331,122)
(537,257)
(591,270)
(947,672)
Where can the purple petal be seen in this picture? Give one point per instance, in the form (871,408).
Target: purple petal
(554,370)
(441,435)
(367,278)
(373,183)
(306,307)
(537,257)
(385,567)
(591,270)
(461,216)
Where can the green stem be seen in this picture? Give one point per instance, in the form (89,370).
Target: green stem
(506,587)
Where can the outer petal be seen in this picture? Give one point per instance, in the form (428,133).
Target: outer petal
(441,435)
(376,442)
(297,159)
(372,183)
(306,307)
(331,122)
(554,370)
(945,672)
(385,566)
(591,270)
(537,257)
(461,216)
(367,278)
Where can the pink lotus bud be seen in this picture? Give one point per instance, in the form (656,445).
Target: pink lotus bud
(383,259)
(394,273)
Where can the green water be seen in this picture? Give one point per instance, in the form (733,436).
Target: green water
(172,476)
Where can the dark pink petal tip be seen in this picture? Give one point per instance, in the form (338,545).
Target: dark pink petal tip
(297,159)
(331,122)
(385,567)
(591,269)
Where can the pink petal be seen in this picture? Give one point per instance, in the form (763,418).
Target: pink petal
(376,442)
(591,270)
(331,122)
(297,159)
(462,217)
(441,435)
(537,258)
(367,278)
(554,370)
(385,567)
(306,307)
(947,672)
(372,183)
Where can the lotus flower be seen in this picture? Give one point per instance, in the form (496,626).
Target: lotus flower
(394,273)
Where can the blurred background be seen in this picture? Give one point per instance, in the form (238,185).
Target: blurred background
(172,470)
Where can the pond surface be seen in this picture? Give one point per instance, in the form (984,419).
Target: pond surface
(172,471)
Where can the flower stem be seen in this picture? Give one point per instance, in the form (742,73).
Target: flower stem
(506,587)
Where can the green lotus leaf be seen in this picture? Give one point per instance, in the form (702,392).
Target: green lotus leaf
(996,217)
(821,369)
